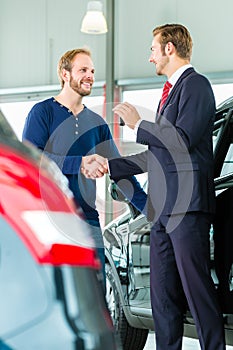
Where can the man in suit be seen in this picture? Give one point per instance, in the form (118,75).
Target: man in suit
(181,201)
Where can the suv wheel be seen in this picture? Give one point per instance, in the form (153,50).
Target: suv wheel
(131,338)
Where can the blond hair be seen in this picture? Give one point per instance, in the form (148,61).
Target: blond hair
(66,61)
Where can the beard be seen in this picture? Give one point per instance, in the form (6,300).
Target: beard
(75,86)
(161,65)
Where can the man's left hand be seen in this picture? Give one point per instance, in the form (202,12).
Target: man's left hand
(128,113)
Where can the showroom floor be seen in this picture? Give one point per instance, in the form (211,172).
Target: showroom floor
(188,344)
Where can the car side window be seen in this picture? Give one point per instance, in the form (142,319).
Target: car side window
(223,144)
(227,167)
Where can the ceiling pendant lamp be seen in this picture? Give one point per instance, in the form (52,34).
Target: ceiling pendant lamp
(94,21)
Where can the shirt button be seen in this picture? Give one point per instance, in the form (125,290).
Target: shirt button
(76,132)
(76,125)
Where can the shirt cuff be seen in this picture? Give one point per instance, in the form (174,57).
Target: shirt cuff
(137,126)
(109,173)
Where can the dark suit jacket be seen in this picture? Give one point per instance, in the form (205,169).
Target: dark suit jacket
(179,159)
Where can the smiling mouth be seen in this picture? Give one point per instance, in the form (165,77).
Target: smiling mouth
(87,85)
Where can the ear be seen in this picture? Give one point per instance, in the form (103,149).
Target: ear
(169,48)
(66,75)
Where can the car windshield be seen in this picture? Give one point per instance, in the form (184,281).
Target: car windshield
(9,138)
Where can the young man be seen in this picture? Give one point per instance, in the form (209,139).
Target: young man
(69,133)
(179,162)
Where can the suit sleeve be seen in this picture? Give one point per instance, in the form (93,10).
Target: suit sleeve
(122,171)
(130,187)
(128,165)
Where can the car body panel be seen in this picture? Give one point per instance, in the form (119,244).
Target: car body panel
(50,295)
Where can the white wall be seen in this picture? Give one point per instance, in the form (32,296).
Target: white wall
(33,36)
(35,33)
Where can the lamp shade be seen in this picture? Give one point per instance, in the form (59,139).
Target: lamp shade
(94,21)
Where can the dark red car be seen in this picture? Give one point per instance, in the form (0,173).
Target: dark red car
(50,296)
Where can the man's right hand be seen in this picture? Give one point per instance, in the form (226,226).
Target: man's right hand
(94,166)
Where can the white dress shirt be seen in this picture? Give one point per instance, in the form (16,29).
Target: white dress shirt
(173,79)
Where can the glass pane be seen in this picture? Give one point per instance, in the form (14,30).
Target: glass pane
(146,102)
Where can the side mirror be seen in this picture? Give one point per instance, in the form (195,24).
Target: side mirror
(117,195)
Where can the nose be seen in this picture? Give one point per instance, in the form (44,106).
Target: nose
(90,75)
(151,58)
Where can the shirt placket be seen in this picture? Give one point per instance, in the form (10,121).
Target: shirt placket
(76,126)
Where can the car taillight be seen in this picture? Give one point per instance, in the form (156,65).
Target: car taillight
(57,238)
(64,254)
(42,212)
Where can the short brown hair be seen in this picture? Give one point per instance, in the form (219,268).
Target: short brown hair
(66,60)
(178,35)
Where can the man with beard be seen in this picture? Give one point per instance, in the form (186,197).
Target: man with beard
(70,133)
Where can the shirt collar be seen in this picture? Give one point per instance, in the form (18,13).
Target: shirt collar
(175,76)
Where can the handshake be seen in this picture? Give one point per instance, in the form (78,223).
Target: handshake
(94,166)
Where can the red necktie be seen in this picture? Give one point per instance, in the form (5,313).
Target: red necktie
(166,88)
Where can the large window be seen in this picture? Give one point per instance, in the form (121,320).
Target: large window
(146,101)
(16,112)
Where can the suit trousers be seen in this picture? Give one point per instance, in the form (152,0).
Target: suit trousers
(180,275)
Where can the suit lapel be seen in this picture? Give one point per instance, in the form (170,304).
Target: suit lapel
(186,73)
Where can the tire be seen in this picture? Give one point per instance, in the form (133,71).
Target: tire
(131,338)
